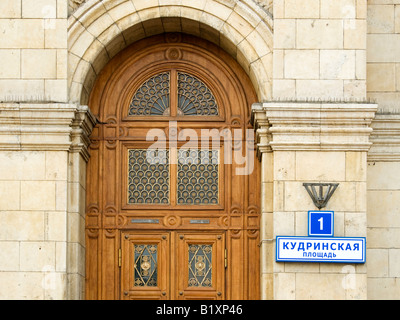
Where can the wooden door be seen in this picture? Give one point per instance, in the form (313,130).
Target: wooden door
(200,268)
(145,265)
(184,199)
(172,265)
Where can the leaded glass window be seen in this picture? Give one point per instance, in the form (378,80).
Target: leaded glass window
(154,96)
(197,177)
(200,265)
(148,176)
(145,265)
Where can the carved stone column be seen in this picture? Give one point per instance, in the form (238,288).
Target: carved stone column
(82,126)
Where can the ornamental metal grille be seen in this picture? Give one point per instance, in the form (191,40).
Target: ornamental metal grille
(197,177)
(194,97)
(152,97)
(145,265)
(200,265)
(148,176)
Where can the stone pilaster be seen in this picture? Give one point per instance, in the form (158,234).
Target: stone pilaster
(43,154)
(312,142)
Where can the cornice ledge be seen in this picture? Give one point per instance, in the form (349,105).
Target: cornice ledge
(316,126)
(385,138)
(42,127)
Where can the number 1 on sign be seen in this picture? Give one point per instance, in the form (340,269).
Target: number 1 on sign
(321,223)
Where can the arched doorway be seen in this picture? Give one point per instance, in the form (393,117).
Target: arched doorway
(173,206)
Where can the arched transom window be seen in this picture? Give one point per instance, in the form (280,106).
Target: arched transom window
(173,93)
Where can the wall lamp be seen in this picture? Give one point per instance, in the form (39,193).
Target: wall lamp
(320,193)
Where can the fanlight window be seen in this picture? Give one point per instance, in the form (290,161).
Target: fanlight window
(154,96)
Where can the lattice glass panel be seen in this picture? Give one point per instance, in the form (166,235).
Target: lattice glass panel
(198,175)
(145,267)
(194,97)
(148,176)
(152,98)
(200,265)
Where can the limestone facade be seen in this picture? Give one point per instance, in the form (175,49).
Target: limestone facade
(327,77)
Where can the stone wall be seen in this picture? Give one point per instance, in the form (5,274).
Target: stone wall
(313,74)
(383,54)
(34,143)
(383,255)
(33,50)
(383,85)
(42,156)
(319,49)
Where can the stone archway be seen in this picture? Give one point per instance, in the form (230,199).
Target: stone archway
(98,30)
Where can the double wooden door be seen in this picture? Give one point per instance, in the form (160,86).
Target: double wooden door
(173,265)
(158,221)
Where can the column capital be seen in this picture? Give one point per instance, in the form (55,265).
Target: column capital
(82,127)
(261,126)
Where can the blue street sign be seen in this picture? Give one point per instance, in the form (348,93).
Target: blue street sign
(320,223)
(322,249)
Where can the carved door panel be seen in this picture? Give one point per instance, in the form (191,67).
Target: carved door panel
(145,265)
(201,266)
(173,265)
